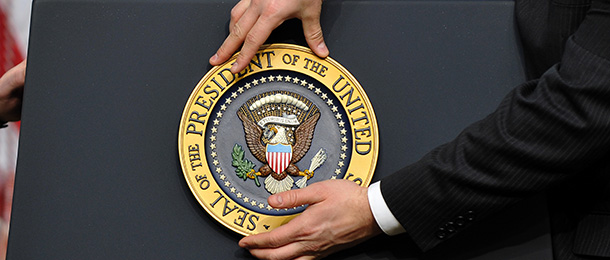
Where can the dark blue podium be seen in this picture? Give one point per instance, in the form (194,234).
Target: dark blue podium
(98,173)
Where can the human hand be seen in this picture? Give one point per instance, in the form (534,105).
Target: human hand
(253,20)
(338,217)
(11,92)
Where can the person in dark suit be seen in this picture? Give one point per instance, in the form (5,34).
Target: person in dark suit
(550,134)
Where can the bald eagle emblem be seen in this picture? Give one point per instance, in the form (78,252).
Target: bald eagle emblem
(279,127)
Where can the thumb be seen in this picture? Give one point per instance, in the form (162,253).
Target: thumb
(294,198)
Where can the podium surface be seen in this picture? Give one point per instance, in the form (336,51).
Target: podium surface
(98,174)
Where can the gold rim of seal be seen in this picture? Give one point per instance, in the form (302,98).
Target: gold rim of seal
(191,146)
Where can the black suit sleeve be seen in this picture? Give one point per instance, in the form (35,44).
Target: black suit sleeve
(542,133)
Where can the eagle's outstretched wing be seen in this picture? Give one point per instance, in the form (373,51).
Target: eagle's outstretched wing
(253,137)
(303,136)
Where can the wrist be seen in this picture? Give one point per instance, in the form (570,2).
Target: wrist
(382,214)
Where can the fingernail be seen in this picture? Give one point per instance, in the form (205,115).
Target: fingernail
(214,58)
(244,245)
(321,46)
(233,67)
(279,200)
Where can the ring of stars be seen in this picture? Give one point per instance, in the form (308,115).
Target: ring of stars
(255,82)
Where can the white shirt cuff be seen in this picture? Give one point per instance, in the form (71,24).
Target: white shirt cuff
(384,217)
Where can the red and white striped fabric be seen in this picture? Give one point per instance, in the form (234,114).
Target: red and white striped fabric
(14,28)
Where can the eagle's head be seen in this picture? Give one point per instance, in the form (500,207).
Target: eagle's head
(279,135)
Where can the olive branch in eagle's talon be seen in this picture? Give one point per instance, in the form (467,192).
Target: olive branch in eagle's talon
(244,167)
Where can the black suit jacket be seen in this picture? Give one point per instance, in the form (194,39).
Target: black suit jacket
(550,134)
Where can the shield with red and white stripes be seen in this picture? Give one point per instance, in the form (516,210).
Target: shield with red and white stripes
(279,156)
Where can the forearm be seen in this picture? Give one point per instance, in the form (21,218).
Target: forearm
(544,132)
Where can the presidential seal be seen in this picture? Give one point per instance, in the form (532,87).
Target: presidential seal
(289,119)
